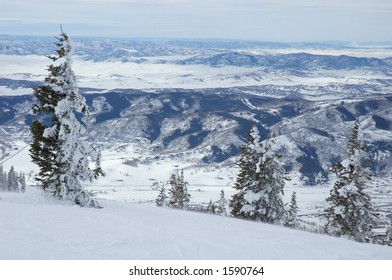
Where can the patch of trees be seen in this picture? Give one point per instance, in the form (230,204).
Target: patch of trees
(12,181)
(259,187)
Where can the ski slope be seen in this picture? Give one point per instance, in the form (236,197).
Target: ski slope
(34,226)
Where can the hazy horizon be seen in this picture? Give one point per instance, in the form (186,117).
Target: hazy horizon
(249,20)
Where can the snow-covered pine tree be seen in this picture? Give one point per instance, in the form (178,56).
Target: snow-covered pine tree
(62,156)
(350,212)
(291,216)
(3,181)
(211,208)
(222,204)
(12,180)
(161,200)
(22,181)
(245,176)
(179,196)
(260,182)
(388,234)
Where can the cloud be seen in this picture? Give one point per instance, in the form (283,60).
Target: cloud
(243,19)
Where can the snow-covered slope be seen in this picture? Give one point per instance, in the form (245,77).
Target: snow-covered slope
(207,127)
(37,227)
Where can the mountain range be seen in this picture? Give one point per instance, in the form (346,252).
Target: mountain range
(207,125)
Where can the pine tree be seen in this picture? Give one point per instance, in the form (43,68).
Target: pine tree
(161,200)
(246,174)
(3,181)
(291,217)
(211,208)
(388,237)
(350,212)
(62,156)
(260,182)
(22,181)
(179,196)
(222,204)
(12,180)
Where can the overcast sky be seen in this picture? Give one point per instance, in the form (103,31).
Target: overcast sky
(267,20)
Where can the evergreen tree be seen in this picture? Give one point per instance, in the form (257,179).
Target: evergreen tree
(211,208)
(246,173)
(12,181)
(179,196)
(291,218)
(62,156)
(162,198)
(388,237)
(222,204)
(260,182)
(350,212)
(22,181)
(3,181)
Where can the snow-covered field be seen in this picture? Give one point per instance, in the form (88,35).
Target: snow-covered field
(109,75)
(38,227)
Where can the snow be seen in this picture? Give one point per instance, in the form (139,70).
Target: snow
(358,51)
(109,75)
(251,196)
(38,227)
(15,91)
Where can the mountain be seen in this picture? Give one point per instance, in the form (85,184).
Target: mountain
(292,61)
(195,100)
(100,49)
(208,126)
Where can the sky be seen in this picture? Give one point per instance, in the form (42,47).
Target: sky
(265,20)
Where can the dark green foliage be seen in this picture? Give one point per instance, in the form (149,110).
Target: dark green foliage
(178,193)
(43,150)
(42,153)
(62,157)
(291,216)
(162,197)
(350,212)
(247,168)
(259,182)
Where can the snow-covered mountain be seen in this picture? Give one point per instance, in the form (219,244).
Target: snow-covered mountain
(292,61)
(194,101)
(120,48)
(208,126)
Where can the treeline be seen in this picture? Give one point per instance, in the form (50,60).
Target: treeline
(12,181)
(260,186)
(177,196)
